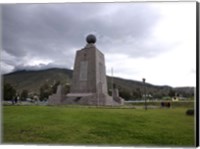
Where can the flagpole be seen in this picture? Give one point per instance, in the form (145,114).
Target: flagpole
(112,85)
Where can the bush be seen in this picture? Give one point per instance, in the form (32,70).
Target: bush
(190,112)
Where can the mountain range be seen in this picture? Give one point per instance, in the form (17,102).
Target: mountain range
(32,81)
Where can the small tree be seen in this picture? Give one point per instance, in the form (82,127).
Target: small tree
(66,88)
(24,95)
(54,87)
(45,91)
(136,94)
(9,92)
(125,94)
(171,93)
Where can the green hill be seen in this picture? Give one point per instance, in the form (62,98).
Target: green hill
(33,80)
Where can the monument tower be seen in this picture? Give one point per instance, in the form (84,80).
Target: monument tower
(89,84)
(89,70)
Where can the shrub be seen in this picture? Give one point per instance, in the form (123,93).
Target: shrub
(190,112)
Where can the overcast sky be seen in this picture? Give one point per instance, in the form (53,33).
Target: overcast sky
(152,40)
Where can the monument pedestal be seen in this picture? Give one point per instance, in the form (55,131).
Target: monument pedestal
(90,99)
(58,97)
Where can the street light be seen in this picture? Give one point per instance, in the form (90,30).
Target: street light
(145,93)
(112,86)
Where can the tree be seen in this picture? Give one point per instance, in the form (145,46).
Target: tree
(171,93)
(9,92)
(157,95)
(54,87)
(45,91)
(125,94)
(24,95)
(136,94)
(66,88)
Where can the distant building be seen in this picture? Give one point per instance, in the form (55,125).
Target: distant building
(175,98)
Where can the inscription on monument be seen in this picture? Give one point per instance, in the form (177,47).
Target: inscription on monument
(83,70)
(101,72)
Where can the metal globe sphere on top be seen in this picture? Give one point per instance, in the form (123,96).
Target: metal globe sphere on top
(91,39)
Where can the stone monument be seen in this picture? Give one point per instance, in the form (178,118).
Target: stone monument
(89,83)
(58,97)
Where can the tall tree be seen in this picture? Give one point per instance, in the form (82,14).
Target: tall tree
(45,91)
(9,92)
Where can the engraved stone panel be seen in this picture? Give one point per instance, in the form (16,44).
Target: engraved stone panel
(101,72)
(83,70)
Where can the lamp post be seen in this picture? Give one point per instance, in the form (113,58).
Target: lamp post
(98,87)
(112,85)
(145,93)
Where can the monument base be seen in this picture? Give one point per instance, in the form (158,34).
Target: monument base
(56,99)
(94,99)
(90,99)
(84,99)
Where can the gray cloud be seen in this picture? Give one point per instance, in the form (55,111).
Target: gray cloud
(36,67)
(55,31)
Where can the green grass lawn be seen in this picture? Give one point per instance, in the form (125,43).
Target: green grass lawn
(97,126)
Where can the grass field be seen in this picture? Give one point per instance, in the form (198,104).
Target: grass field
(97,126)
